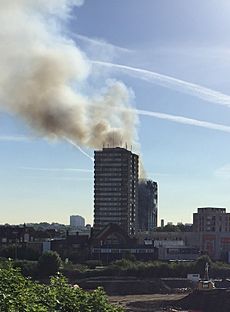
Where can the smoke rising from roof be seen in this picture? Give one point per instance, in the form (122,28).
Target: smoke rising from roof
(42,73)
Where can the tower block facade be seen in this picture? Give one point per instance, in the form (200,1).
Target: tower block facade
(115,189)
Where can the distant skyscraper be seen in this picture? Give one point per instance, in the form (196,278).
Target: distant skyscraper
(77,221)
(115,189)
(147,205)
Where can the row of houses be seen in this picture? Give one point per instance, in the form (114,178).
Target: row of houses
(208,236)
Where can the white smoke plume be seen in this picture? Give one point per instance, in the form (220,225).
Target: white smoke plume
(42,73)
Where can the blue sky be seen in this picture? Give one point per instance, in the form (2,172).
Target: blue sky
(43,180)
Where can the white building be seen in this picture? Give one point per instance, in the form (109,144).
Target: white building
(77,221)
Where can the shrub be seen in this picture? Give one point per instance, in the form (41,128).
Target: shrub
(49,263)
(92,264)
(21,294)
(156,269)
(27,268)
(78,256)
(73,271)
(201,263)
(129,256)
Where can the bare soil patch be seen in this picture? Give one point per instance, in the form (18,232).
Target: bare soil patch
(147,303)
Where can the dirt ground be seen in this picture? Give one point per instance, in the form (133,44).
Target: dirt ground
(146,303)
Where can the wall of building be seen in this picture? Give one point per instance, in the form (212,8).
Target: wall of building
(115,189)
(210,219)
(189,238)
(178,253)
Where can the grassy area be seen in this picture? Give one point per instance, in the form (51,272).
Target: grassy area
(124,267)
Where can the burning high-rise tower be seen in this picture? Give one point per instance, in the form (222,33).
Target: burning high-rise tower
(147,205)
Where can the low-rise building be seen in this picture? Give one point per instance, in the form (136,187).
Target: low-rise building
(210,219)
(113,243)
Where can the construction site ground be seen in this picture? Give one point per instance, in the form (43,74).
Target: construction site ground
(147,303)
(213,300)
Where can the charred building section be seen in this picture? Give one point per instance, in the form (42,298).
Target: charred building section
(115,189)
(147,205)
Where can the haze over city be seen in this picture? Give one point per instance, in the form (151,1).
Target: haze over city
(168,60)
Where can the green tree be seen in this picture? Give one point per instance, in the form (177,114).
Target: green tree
(19,294)
(169,228)
(49,263)
(19,252)
(201,263)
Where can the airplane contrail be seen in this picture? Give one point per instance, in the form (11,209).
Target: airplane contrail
(185,120)
(172,83)
(79,148)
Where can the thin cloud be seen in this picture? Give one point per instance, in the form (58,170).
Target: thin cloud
(66,170)
(172,83)
(14,138)
(58,178)
(101,43)
(223,172)
(75,179)
(152,175)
